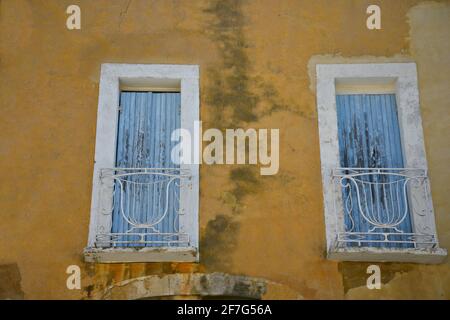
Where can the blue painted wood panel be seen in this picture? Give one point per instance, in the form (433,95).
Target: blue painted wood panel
(369,137)
(146,121)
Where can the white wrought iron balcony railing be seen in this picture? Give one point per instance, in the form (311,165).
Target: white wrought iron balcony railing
(378,206)
(144,204)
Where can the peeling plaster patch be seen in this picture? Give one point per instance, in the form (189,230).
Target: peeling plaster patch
(196,284)
(10,282)
(354,274)
(424,282)
(102,275)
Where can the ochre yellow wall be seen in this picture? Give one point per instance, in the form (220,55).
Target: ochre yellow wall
(256,60)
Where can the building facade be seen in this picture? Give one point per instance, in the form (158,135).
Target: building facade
(361,180)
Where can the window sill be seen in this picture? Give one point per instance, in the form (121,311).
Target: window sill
(118,255)
(426,256)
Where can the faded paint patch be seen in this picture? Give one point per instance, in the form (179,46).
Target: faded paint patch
(10,282)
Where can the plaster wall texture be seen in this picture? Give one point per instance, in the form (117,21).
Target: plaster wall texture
(256,60)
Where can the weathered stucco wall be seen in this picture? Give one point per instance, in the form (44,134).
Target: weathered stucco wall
(255,59)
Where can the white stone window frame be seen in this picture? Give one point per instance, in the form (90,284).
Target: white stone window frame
(143,77)
(371,78)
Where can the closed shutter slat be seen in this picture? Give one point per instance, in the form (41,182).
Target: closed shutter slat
(146,121)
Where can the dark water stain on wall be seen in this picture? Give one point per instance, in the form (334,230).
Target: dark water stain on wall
(235,95)
(10,282)
(219,239)
(230,89)
(236,98)
(245,182)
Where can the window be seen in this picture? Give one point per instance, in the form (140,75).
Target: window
(377,197)
(144,203)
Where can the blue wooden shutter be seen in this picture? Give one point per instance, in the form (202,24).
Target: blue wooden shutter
(369,137)
(146,121)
